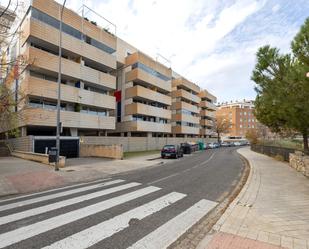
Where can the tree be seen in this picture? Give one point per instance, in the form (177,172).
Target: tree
(220,125)
(11,97)
(252,135)
(282,101)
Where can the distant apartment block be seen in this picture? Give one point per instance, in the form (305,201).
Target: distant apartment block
(185,107)
(240,115)
(108,87)
(207,113)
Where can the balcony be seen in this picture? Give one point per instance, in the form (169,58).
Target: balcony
(143,126)
(186,95)
(45,117)
(185,118)
(185,130)
(149,62)
(148,94)
(49,62)
(207,113)
(145,78)
(183,105)
(139,108)
(208,105)
(186,84)
(44,32)
(208,95)
(206,122)
(71,18)
(48,89)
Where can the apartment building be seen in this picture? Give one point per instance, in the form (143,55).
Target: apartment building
(207,113)
(143,96)
(185,107)
(108,87)
(240,115)
(88,73)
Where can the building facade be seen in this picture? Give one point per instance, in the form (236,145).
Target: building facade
(240,116)
(207,113)
(108,87)
(185,107)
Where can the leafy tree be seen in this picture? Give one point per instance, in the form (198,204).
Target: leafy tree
(282,101)
(300,44)
(220,125)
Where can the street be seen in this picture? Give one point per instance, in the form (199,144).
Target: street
(146,208)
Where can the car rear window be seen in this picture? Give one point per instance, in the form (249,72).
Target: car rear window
(169,147)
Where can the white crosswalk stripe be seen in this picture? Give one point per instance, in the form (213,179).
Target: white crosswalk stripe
(173,229)
(16,228)
(53,190)
(29,231)
(93,235)
(49,207)
(56,195)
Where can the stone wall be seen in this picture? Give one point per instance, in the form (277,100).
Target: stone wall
(300,162)
(141,143)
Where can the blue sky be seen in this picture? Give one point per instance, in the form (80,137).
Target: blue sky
(211,42)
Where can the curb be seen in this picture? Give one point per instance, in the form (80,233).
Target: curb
(202,232)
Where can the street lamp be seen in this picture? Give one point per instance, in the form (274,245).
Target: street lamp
(59,90)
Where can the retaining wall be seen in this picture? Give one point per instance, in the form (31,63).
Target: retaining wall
(300,162)
(107,151)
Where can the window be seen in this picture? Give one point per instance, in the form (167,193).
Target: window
(69,30)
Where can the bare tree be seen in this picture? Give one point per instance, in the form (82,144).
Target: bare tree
(12,63)
(220,125)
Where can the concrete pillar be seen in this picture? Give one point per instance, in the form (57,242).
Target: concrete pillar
(122,134)
(73,132)
(23,131)
(129,134)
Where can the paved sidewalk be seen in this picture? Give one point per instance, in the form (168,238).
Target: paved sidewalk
(19,176)
(271,211)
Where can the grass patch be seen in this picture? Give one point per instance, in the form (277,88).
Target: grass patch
(284,143)
(131,154)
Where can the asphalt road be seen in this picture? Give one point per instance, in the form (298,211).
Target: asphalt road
(147,208)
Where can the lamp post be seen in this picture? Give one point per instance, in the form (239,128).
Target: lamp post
(59,91)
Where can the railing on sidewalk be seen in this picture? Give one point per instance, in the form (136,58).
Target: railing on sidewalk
(272,151)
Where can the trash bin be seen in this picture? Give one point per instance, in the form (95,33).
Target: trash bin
(52,155)
(200,145)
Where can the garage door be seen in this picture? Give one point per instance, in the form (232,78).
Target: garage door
(68,147)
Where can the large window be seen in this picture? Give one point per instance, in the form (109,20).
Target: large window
(43,17)
(150,71)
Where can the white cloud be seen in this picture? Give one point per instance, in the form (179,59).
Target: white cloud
(190,33)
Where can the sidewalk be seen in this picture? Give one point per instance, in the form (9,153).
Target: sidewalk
(271,211)
(19,176)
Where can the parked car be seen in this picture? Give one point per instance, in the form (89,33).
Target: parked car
(194,146)
(212,145)
(225,144)
(186,148)
(237,143)
(217,145)
(171,151)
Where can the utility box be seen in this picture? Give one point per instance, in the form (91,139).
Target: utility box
(52,155)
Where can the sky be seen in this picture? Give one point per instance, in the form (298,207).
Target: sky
(210,42)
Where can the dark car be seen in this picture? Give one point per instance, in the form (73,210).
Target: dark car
(171,151)
(186,148)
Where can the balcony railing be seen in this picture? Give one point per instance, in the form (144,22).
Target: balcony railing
(48,89)
(45,117)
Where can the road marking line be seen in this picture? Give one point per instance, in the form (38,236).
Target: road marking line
(168,233)
(97,233)
(26,232)
(54,189)
(212,155)
(56,195)
(60,204)
(164,178)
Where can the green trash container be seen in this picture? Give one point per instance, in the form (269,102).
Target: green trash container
(200,145)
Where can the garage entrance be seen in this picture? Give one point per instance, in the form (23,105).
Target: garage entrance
(69,146)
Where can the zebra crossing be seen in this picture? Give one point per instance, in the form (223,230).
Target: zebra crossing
(25,219)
